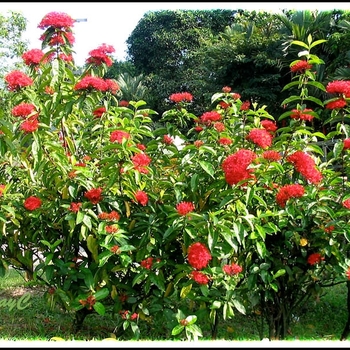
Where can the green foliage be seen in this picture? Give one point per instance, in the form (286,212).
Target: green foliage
(103,208)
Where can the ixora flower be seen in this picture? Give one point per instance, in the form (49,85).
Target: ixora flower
(199,277)
(141,197)
(56,20)
(32,203)
(181,97)
(94,195)
(315,258)
(183,208)
(232,269)
(16,80)
(198,255)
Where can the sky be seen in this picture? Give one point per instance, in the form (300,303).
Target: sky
(113,22)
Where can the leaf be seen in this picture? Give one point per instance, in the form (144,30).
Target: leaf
(207,167)
(239,306)
(99,308)
(177,329)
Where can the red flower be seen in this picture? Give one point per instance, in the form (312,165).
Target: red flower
(198,143)
(198,255)
(346,203)
(2,189)
(91,83)
(245,106)
(218,126)
(94,195)
(236,96)
(32,203)
(209,117)
(183,208)
(181,97)
(33,57)
(23,110)
(30,125)
(74,207)
(226,89)
(119,135)
(261,137)
(112,86)
(141,197)
(141,161)
(100,55)
(225,141)
(337,104)
(147,263)
(232,269)
(199,277)
(289,191)
(168,140)
(340,87)
(306,166)
(300,66)
(315,258)
(272,155)
(302,115)
(346,144)
(269,125)
(16,80)
(347,273)
(57,20)
(235,166)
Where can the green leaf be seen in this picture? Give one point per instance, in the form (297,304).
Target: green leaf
(99,308)
(207,167)
(177,329)
(101,294)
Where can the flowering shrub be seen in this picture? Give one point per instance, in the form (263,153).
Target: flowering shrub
(244,216)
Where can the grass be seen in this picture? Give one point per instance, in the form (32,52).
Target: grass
(321,319)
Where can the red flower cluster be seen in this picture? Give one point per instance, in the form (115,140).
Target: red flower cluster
(337,104)
(339,87)
(32,203)
(91,83)
(315,258)
(225,141)
(181,97)
(269,125)
(289,191)
(306,166)
(141,161)
(218,126)
(208,118)
(346,144)
(226,89)
(245,106)
(261,137)
(302,115)
(168,140)
(30,125)
(94,195)
(232,269)
(147,263)
(141,197)
(75,207)
(112,216)
(235,166)
(89,302)
(119,135)
(183,208)
(16,80)
(98,112)
(346,203)
(300,66)
(57,20)
(24,110)
(198,255)
(272,155)
(199,277)
(101,55)
(33,57)
(2,189)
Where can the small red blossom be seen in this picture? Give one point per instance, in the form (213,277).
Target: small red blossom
(101,55)
(261,137)
(300,66)
(33,57)
(289,191)
(123,103)
(226,89)
(181,97)
(2,189)
(147,263)
(245,106)
(30,125)
(337,104)
(168,140)
(236,96)
(347,273)
(75,207)
(111,229)
(91,83)
(232,269)
(315,258)
(269,125)
(218,126)
(141,161)
(16,80)
(198,255)
(339,87)
(208,118)
(57,20)
(302,115)
(184,208)
(225,141)
(199,277)
(346,203)
(32,203)
(272,155)
(119,135)
(24,110)
(141,197)
(198,143)
(94,195)
(346,144)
